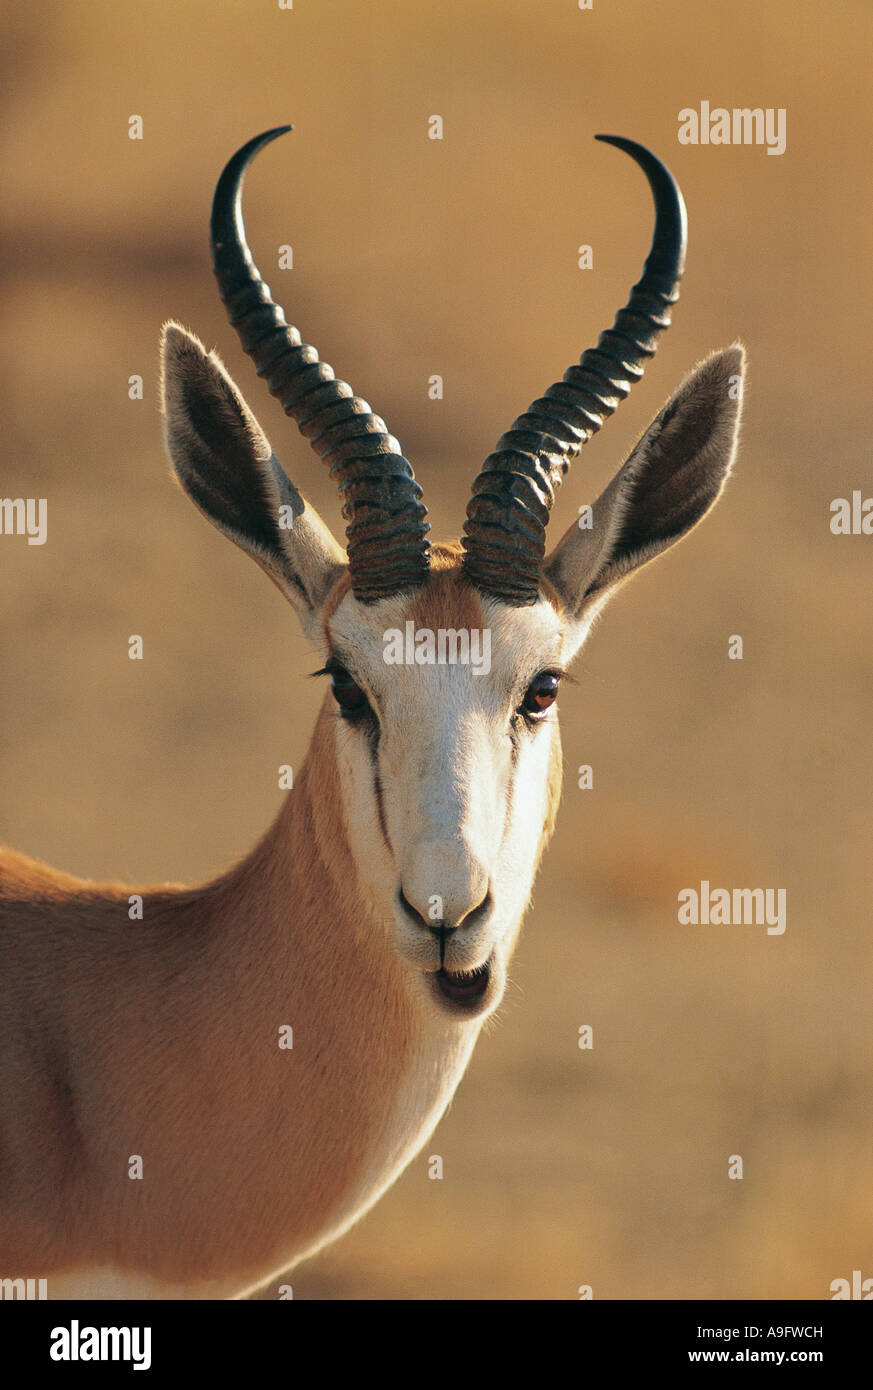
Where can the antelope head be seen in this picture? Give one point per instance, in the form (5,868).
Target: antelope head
(449,770)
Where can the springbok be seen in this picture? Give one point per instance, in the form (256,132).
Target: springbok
(157,1139)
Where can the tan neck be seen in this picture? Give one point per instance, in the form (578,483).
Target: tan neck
(247,1148)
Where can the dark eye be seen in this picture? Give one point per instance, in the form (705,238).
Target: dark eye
(349,696)
(541,694)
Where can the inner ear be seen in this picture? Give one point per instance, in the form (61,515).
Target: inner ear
(670,481)
(226,466)
(674,475)
(220,454)
(224,462)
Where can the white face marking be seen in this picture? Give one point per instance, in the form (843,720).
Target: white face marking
(446,790)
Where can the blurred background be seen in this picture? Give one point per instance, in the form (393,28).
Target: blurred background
(412,257)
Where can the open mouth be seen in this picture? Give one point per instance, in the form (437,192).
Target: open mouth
(464,986)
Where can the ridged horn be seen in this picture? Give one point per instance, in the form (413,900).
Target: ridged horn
(386,533)
(505,531)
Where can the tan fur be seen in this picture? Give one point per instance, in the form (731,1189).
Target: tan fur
(159,1038)
(446,601)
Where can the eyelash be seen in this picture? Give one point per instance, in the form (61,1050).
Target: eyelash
(343,681)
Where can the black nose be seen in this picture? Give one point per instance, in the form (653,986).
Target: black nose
(443,935)
(414,914)
(470,919)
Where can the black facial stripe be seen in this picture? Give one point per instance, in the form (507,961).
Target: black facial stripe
(515,744)
(373,750)
(514,754)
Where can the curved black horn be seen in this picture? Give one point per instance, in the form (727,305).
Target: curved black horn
(504,539)
(385,537)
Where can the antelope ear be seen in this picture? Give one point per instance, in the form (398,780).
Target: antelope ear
(670,481)
(224,462)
